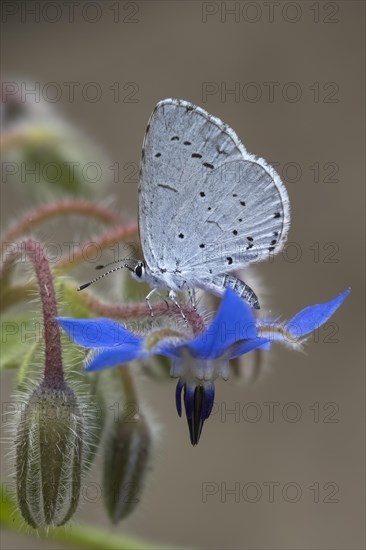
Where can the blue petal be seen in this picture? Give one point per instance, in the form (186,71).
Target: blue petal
(98,333)
(112,357)
(249,345)
(189,400)
(234,321)
(313,317)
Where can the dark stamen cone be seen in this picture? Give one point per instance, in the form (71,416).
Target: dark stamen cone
(195,422)
(198,403)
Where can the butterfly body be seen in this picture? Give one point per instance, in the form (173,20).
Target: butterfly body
(177,282)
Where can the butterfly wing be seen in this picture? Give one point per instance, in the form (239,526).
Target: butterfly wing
(206,205)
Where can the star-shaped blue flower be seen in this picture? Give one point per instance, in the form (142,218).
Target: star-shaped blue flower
(196,361)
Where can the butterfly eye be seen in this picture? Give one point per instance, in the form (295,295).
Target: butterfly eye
(138,270)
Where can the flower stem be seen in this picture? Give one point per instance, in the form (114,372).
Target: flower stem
(128,384)
(53,370)
(72,206)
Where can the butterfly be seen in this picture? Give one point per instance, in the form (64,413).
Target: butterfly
(207,207)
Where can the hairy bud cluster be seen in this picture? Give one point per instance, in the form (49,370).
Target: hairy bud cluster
(50,456)
(127,452)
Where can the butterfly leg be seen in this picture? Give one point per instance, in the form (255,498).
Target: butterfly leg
(148,301)
(153,291)
(192,296)
(173,297)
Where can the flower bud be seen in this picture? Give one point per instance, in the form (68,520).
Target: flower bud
(50,452)
(127,453)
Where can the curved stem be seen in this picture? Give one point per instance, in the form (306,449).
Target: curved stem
(71,206)
(128,383)
(53,370)
(138,311)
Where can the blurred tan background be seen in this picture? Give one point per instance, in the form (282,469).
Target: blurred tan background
(313,126)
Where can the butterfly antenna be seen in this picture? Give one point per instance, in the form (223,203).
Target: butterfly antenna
(85,285)
(103,266)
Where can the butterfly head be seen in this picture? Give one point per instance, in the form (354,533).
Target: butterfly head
(139,271)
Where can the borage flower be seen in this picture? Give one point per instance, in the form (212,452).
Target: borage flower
(196,361)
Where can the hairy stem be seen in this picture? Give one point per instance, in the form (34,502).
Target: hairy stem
(53,370)
(140,311)
(71,206)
